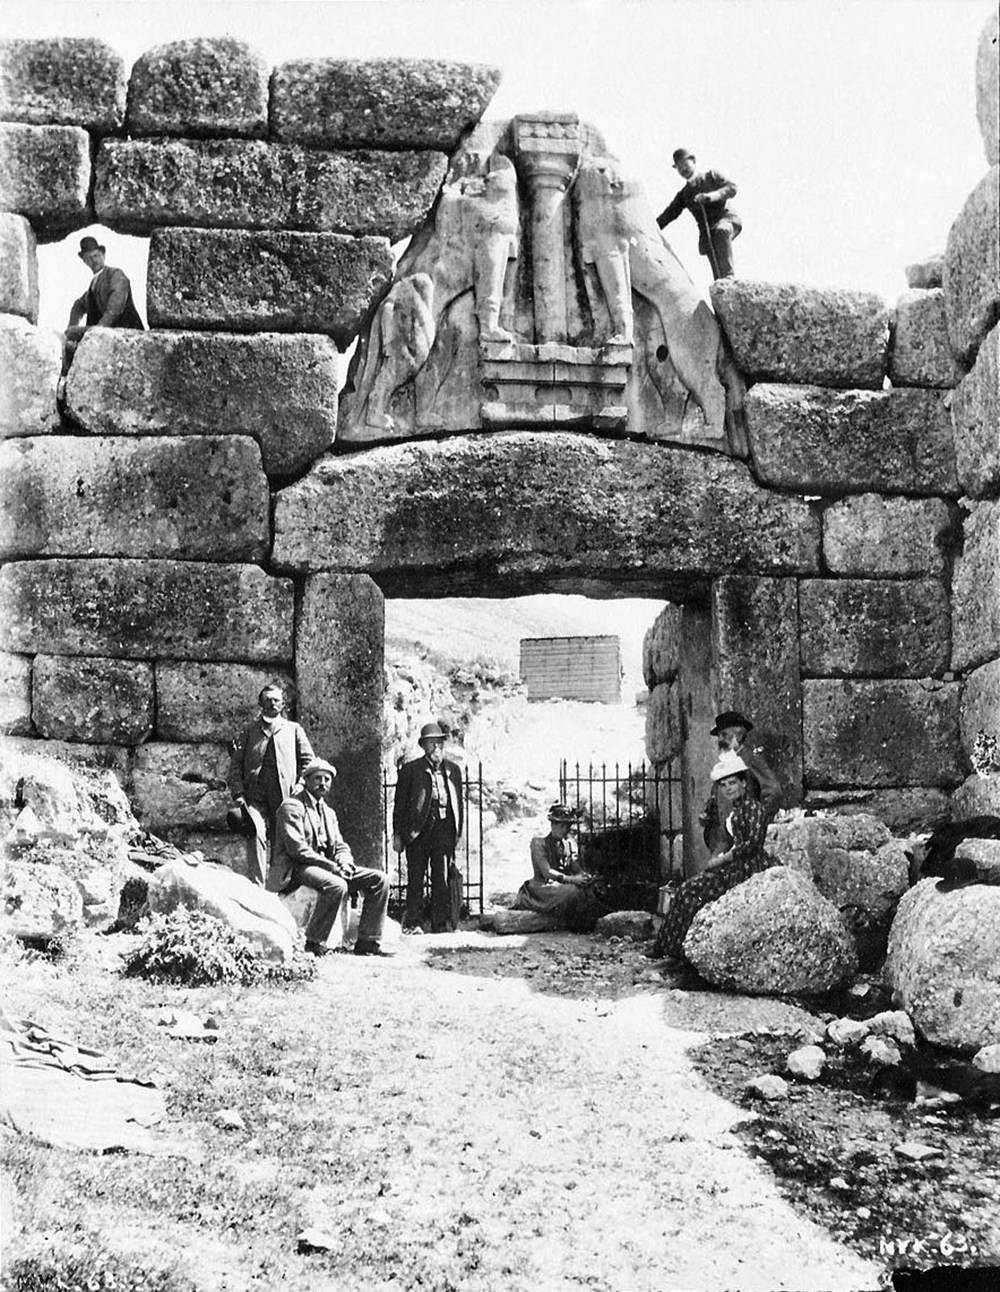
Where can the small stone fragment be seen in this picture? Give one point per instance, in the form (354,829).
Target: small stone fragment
(895,1023)
(988,1058)
(881,1052)
(846,1031)
(915,1151)
(806,1062)
(229,1119)
(768,1086)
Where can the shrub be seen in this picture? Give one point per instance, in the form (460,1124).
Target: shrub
(88,1268)
(194,949)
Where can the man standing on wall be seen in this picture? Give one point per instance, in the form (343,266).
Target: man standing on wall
(427,821)
(107,302)
(706,195)
(266,761)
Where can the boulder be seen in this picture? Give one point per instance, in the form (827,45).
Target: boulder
(30,363)
(502,921)
(281,390)
(145,610)
(869,535)
(40,901)
(774,934)
(980,711)
(15,694)
(141,185)
(972,269)
(919,348)
(829,441)
(68,80)
(69,802)
(71,495)
(661,647)
(976,589)
(96,758)
(988,88)
(93,700)
(18,268)
(211,702)
(379,102)
(874,627)
(944,963)
(208,86)
(907,810)
(663,723)
(984,855)
(805,335)
(252,281)
(927,273)
(978,795)
(45,176)
(181,785)
(637,926)
(975,415)
(247,908)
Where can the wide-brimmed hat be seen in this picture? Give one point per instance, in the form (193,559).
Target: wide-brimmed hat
(318,765)
(560,812)
(87,245)
(730,718)
(239,821)
(431,731)
(729,764)
(681,153)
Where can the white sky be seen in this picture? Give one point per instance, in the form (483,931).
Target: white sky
(849,126)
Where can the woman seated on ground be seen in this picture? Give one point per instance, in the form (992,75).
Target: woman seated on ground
(558,879)
(737,846)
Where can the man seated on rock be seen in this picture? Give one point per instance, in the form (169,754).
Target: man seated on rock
(731,730)
(310,852)
(107,302)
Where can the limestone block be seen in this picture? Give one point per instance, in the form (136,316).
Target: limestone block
(870,535)
(977,796)
(406,508)
(663,723)
(145,184)
(69,80)
(975,415)
(339,651)
(919,349)
(30,363)
(40,902)
(379,102)
(988,88)
(984,855)
(980,711)
(193,497)
(976,590)
(926,273)
(874,627)
(181,785)
(910,810)
(877,733)
(264,282)
(196,701)
(45,176)
(15,694)
(18,268)
(972,268)
(208,86)
(280,389)
(805,335)
(92,700)
(113,758)
(145,610)
(824,440)
(661,647)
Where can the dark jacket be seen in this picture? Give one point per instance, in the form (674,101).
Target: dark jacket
(107,302)
(708,181)
(412,804)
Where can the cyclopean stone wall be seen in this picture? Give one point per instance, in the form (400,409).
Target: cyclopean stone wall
(186,524)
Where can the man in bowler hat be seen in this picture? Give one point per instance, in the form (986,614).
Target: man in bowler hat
(107,302)
(706,195)
(427,821)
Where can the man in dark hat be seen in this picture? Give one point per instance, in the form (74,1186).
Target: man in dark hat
(732,730)
(706,195)
(107,302)
(427,821)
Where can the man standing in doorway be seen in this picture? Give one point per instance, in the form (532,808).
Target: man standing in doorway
(427,821)
(706,195)
(107,302)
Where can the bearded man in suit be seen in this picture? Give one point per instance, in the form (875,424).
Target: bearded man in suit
(310,852)
(427,820)
(107,302)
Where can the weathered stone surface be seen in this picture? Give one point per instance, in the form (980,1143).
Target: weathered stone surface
(774,934)
(635,925)
(30,363)
(869,535)
(100,758)
(804,335)
(874,627)
(925,274)
(975,415)
(824,440)
(976,590)
(881,733)
(977,796)
(18,268)
(807,1061)
(984,855)
(944,963)
(264,281)
(661,647)
(181,785)
(379,102)
(980,710)
(145,610)
(663,723)
(247,908)
(225,849)
(141,185)
(409,509)
(988,88)
(15,694)
(972,268)
(93,700)
(913,810)
(40,902)
(502,921)
(753,620)
(69,80)
(208,86)
(919,349)
(192,497)
(72,797)
(45,176)
(280,389)
(211,701)
(339,651)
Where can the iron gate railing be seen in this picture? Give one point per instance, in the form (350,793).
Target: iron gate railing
(468,855)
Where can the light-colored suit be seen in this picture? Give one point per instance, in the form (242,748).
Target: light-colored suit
(265,779)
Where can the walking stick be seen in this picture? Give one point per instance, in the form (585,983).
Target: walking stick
(703,220)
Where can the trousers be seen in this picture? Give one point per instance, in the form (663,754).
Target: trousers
(331,889)
(434,844)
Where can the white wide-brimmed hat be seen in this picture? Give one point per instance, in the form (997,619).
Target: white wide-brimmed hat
(729,764)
